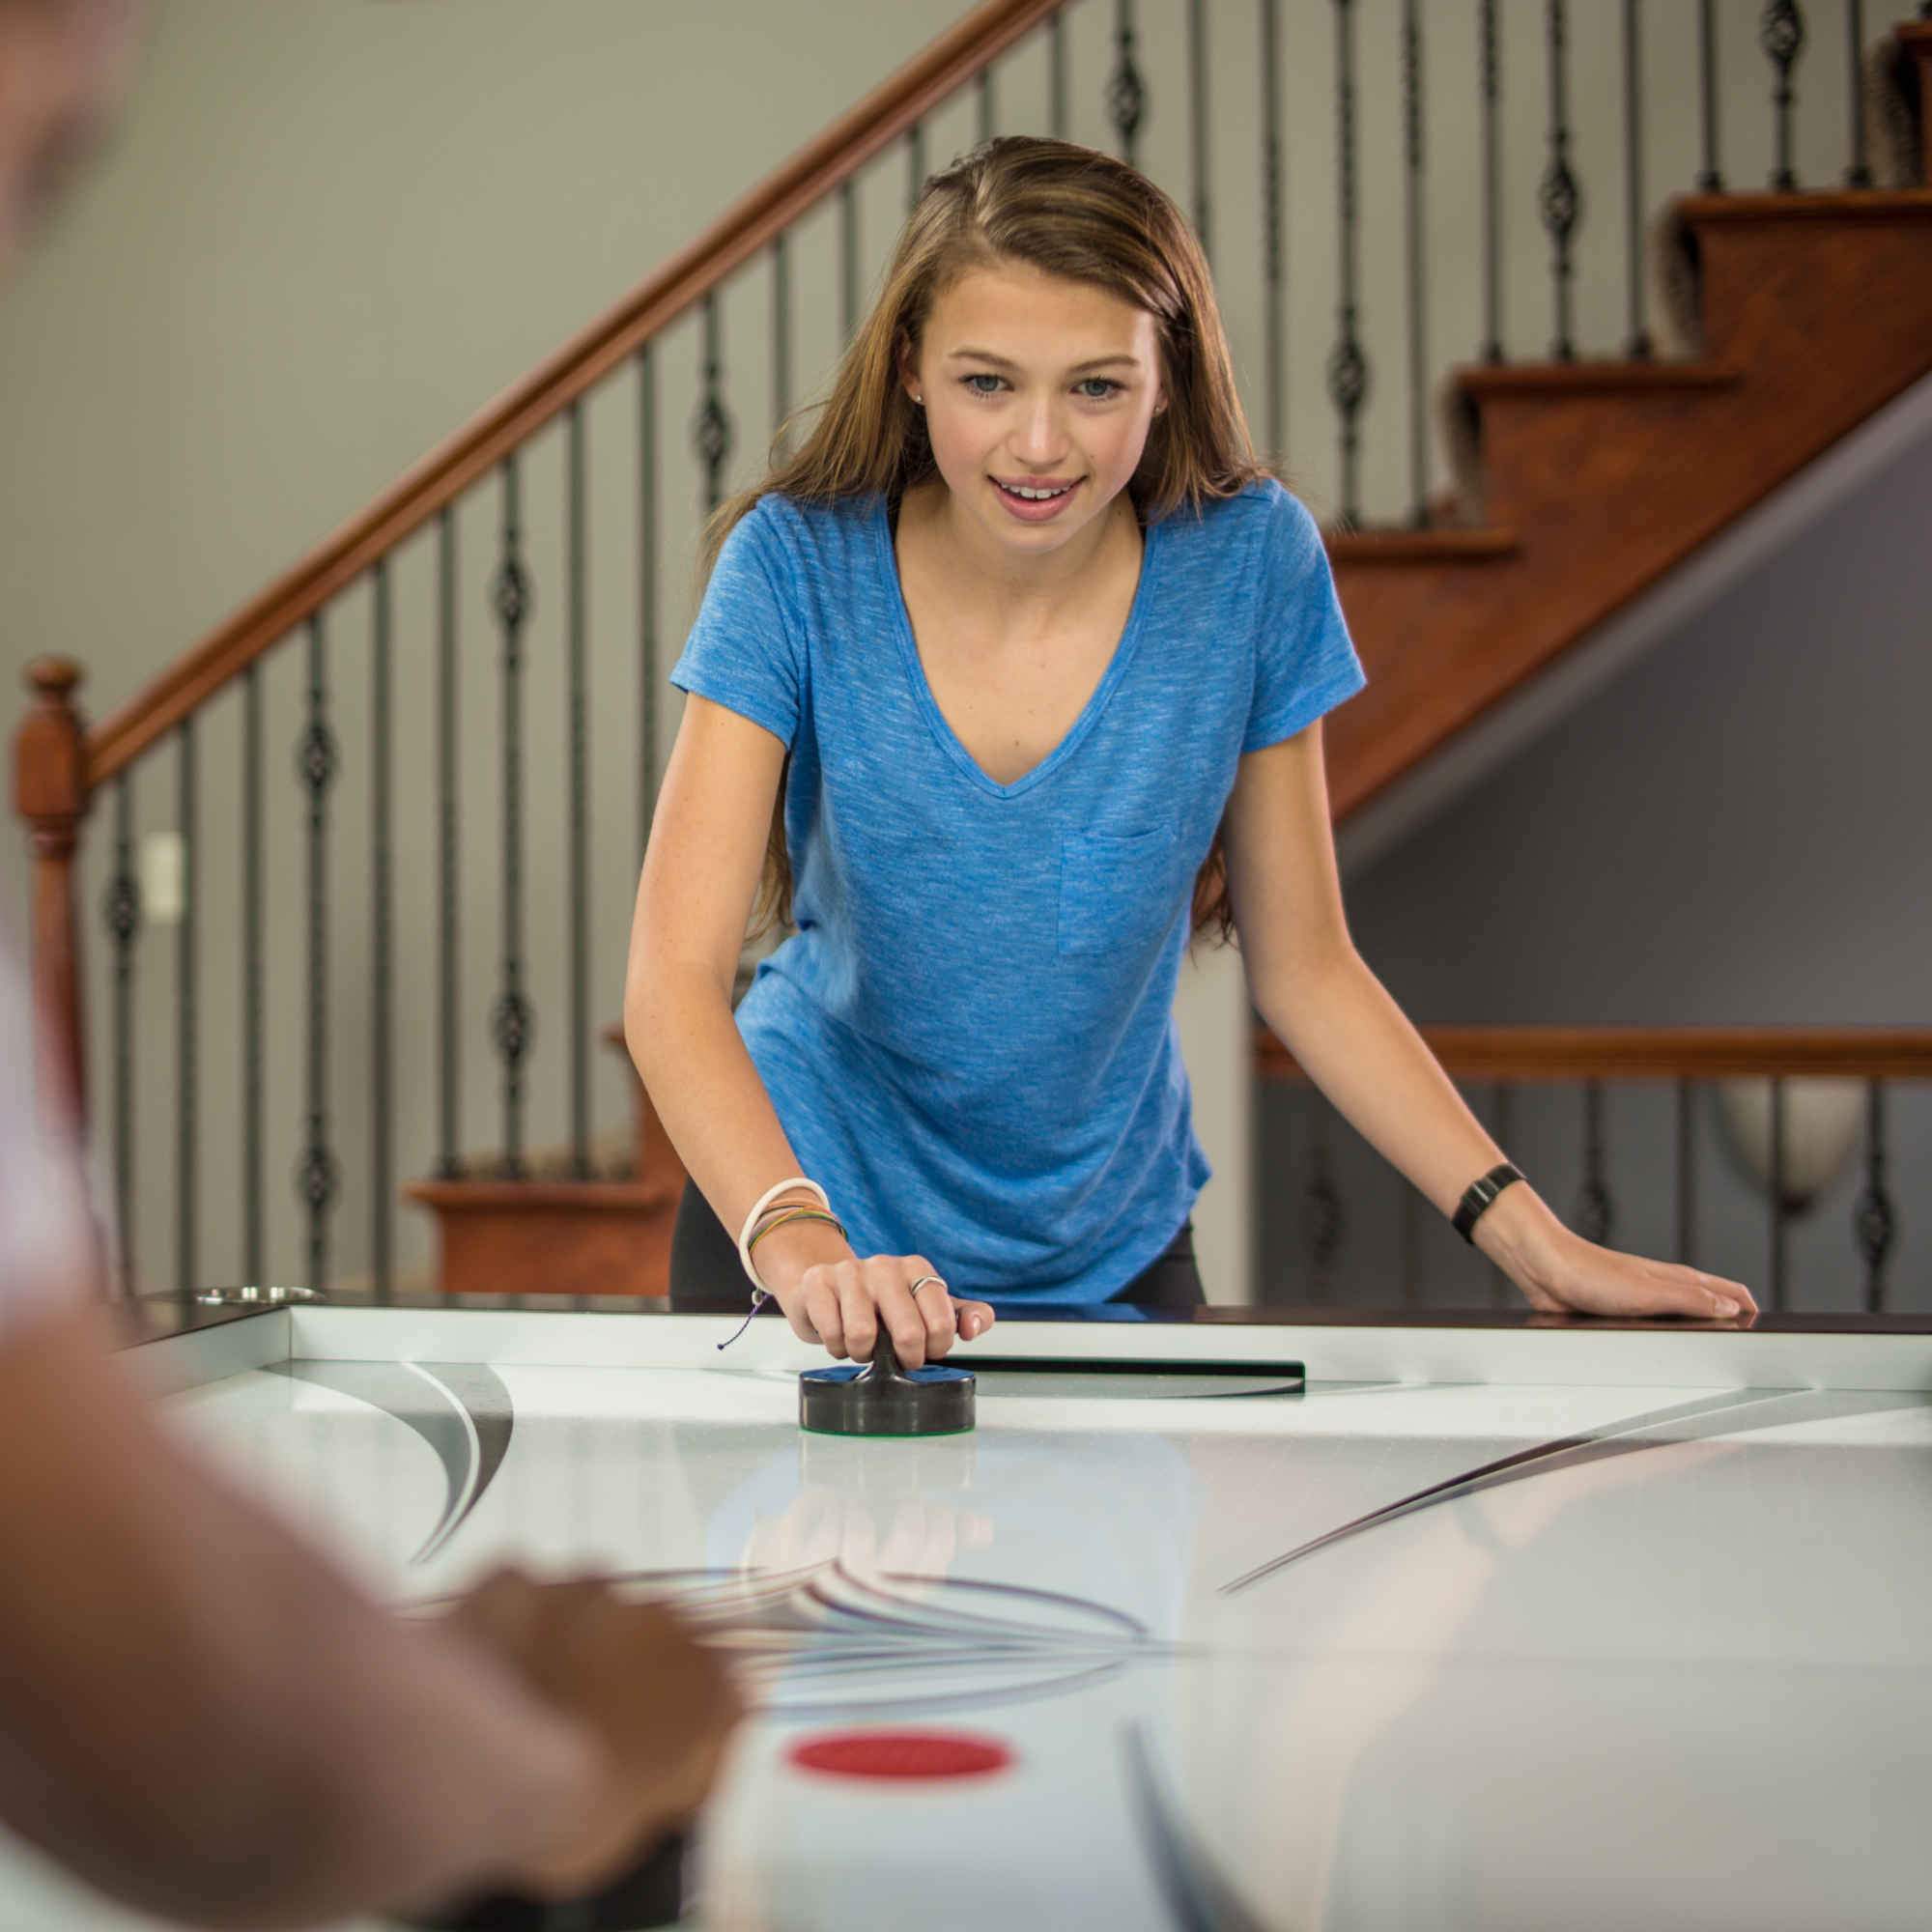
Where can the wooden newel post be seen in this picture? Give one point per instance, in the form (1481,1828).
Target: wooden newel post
(50,794)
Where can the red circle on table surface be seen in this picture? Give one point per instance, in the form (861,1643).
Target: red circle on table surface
(912,1756)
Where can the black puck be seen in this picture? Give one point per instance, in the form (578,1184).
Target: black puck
(883,1399)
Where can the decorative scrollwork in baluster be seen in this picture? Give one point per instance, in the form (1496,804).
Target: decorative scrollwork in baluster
(1875,1221)
(713,433)
(1595,1211)
(1347,362)
(122,914)
(318,1175)
(512,1019)
(1560,196)
(1781,35)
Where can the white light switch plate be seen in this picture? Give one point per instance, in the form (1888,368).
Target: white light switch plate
(163,878)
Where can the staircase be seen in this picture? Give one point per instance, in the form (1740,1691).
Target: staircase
(1580,486)
(1589,482)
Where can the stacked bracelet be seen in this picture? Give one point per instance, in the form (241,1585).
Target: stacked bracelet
(1475,1202)
(783,1217)
(752,1231)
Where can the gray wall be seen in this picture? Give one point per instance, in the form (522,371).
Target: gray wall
(1734,833)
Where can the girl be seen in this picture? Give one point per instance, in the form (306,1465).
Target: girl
(1006,686)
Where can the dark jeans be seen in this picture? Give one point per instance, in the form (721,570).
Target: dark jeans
(706,1277)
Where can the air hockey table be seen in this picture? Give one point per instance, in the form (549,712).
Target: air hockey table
(1248,1620)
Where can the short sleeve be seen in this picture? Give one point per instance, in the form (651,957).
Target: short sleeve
(1305,662)
(743,651)
(44,1241)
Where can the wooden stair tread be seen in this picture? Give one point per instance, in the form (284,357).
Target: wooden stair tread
(572,1196)
(1857,203)
(1655,1053)
(1430,546)
(1593,378)
(1613,473)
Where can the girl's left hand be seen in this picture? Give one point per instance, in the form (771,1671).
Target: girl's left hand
(1577,1277)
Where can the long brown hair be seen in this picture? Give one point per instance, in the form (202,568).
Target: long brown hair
(1070,212)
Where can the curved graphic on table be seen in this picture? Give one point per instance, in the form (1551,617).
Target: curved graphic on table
(1199,1898)
(1701,1421)
(460,1409)
(823,1640)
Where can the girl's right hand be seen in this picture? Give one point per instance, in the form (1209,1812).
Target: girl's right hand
(832,1296)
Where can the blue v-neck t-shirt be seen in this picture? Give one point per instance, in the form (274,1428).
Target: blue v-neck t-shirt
(970,1039)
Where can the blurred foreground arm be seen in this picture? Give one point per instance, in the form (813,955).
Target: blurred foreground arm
(201,1715)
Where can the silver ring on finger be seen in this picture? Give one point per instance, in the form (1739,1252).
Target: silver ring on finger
(921,1282)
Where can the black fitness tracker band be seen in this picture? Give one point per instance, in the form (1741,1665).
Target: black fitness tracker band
(1481,1193)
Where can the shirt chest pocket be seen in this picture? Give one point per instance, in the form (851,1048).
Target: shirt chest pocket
(1117,891)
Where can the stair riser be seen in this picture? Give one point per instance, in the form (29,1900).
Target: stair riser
(526,1250)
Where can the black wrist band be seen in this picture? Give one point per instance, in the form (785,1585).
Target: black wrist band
(1469,1210)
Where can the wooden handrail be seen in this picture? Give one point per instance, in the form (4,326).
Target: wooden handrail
(1656,1053)
(954,58)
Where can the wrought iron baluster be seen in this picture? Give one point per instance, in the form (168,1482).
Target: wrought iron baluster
(1197,115)
(1348,364)
(1686,1172)
(848,258)
(253,1187)
(1875,1224)
(647,594)
(915,163)
(1859,173)
(187,1128)
(712,430)
(513,1023)
(1502,1291)
(1322,1215)
(317,1177)
(781,338)
(121,912)
(1410,1211)
(1418,295)
(1638,349)
(1127,91)
(985,97)
(449,1163)
(1056,75)
(1595,1215)
(382,1069)
(576,624)
(1779,1205)
(1561,196)
(1709,179)
(1493,273)
(1274,347)
(1781,35)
